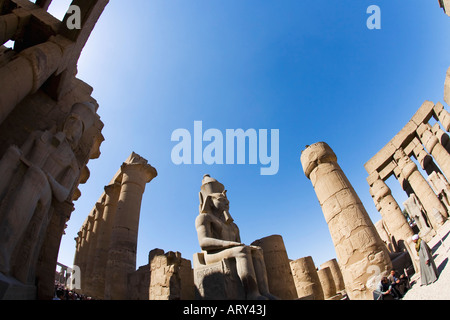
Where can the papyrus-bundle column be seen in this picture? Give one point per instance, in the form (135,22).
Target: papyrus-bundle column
(393,217)
(122,253)
(103,240)
(336,272)
(361,252)
(436,149)
(407,171)
(281,282)
(306,279)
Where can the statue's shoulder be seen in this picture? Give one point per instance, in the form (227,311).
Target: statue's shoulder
(202,217)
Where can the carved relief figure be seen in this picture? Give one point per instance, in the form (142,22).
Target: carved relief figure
(44,168)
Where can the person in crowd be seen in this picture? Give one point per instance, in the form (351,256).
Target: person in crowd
(428,270)
(399,282)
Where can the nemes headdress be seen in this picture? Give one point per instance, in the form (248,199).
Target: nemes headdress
(211,186)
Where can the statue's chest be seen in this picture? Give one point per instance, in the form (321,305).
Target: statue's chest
(220,230)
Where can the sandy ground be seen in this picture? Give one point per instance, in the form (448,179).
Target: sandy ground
(439,290)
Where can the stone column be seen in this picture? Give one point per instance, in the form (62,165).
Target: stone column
(91,254)
(9,23)
(112,192)
(394,219)
(306,279)
(442,114)
(437,150)
(425,160)
(336,273)
(26,74)
(362,254)
(279,274)
(442,136)
(122,252)
(77,249)
(85,253)
(407,170)
(327,282)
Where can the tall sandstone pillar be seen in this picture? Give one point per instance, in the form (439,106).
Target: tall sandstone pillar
(393,218)
(361,252)
(447,79)
(336,273)
(306,279)
(435,148)
(104,238)
(279,274)
(327,283)
(408,171)
(122,252)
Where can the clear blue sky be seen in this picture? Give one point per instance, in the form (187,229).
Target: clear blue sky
(311,69)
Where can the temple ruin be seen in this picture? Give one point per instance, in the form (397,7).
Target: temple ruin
(107,240)
(49,129)
(428,145)
(360,250)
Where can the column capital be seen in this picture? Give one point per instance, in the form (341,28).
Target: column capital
(139,173)
(404,163)
(427,137)
(112,189)
(316,154)
(379,190)
(99,206)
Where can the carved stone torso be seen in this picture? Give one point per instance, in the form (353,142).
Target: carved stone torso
(221,230)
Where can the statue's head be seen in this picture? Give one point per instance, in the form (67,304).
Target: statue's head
(216,202)
(80,119)
(213,197)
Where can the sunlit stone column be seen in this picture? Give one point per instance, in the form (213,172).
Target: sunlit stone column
(122,252)
(306,279)
(437,150)
(327,282)
(362,254)
(336,273)
(96,227)
(112,192)
(85,245)
(423,191)
(279,274)
(394,219)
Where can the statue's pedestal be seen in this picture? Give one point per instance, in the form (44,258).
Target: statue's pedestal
(217,281)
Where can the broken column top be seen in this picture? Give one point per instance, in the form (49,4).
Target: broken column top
(316,154)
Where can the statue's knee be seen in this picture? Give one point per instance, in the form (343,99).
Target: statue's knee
(241,251)
(258,253)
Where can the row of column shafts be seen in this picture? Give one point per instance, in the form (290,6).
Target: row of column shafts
(106,245)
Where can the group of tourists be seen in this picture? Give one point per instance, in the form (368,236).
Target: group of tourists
(395,286)
(62,293)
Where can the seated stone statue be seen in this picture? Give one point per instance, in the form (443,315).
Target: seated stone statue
(219,239)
